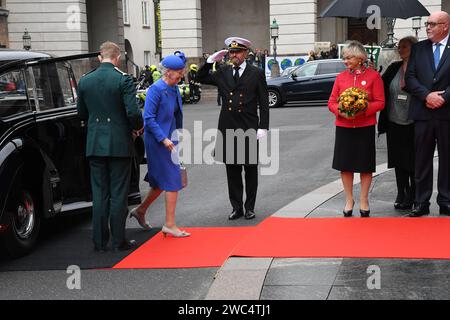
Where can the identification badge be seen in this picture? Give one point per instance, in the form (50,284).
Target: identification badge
(402,97)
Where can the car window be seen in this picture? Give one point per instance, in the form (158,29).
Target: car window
(53,85)
(13,97)
(331,67)
(306,71)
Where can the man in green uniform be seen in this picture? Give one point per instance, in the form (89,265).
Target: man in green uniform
(106,100)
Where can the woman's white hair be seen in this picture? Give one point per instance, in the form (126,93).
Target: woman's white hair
(163,69)
(356,49)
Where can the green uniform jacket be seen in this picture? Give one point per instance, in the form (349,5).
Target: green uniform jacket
(107,100)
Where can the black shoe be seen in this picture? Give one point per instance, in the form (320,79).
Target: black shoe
(404,206)
(126,245)
(364,213)
(249,214)
(419,211)
(399,200)
(236,214)
(444,210)
(348,213)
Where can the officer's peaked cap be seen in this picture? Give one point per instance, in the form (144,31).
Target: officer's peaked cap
(237,44)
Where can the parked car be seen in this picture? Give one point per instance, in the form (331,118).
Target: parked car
(43,169)
(311,83)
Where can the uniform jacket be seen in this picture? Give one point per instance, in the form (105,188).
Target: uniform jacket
(107,101)
(240,104)
(370,81)
(422,78)
(240,107)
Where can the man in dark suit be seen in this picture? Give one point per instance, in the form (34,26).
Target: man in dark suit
(428,80)
(243,88)
(107,101)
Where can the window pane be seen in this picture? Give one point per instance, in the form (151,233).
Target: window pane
(126,19)
(13,97)
(53,86)
(307,71)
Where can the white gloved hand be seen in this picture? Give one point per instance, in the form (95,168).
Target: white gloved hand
(261,133)
(218,56)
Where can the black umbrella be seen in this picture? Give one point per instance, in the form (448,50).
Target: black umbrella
(402,9)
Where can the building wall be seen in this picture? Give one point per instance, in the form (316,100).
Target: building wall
(298,25)
(141,38)
(217,26)
(181,27)
(50,24)
(404,27)
(104,19)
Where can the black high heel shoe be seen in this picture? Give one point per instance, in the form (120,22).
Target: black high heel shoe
(364,213)
(348,213)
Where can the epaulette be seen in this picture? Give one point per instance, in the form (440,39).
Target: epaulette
(118,70)
(89,72)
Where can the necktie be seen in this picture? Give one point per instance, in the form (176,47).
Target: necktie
(437,55)
(236,74)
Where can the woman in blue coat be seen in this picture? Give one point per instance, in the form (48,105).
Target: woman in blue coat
(162,117)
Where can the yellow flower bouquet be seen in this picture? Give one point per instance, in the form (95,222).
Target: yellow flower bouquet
(353,101)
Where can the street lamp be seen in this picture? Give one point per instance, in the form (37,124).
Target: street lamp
(26,40)
(416,25)
(274,28)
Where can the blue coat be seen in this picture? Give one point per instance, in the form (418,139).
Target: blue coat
(162,116)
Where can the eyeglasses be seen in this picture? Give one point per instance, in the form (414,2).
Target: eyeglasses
(432,24)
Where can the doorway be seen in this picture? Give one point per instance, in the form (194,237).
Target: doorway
(357,30)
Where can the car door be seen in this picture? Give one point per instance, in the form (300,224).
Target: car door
(301,86)
(325,78)
(58,131)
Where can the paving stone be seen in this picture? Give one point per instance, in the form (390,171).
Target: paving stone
(398,293)
(303,272)
(295,292)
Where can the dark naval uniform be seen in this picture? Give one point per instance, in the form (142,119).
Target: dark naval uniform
(241,98)
(107,101)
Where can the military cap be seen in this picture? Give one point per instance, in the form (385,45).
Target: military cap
(237,44)
(174,62)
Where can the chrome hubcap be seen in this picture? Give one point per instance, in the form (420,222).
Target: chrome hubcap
(25,218)
(272,99)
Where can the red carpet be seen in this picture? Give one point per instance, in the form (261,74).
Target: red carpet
(422,238)
(206,247)
(426,238)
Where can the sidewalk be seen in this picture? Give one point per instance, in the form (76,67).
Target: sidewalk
(335,279)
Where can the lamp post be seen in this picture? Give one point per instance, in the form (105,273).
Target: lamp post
(274,28)
(26,40)
(416,25)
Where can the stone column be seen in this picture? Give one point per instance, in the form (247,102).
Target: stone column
(181,27)
(298,25)
(4,41)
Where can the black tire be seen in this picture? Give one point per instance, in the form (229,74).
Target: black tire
(24,224)
(274,98)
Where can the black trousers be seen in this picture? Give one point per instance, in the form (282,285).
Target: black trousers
(236,187)
(427,134)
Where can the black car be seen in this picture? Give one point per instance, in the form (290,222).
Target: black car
(43,169)
(311,83)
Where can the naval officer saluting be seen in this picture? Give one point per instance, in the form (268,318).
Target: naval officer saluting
(243,87)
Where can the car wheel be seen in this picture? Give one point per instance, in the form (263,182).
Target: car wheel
(274,98)
(24,224)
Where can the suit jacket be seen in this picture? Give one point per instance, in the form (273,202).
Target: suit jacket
(107,100)
(422,78)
